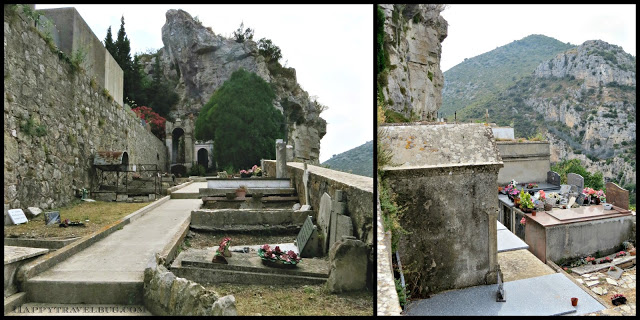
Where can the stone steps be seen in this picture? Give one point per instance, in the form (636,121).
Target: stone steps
(59,309)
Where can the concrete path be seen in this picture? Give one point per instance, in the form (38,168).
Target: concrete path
(194,187)
(112,270)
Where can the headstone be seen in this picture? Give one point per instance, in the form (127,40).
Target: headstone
(347,266)
(616,272)
(281,159)
(51,217)
(576,180)
(33,212)
(307,239)
(553,178)
(617,196)
(17,216)
(324,221)
(343,228)
(565,188)
(296,206)
(305,207)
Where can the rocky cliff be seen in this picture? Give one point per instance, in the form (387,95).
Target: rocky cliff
(199,61)
(583,101)
(413,82)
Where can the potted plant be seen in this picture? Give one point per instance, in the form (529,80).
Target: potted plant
(241,192)
(223,251)
(590,259)
(621,254)
(618,299)
(526,204)
(512,192)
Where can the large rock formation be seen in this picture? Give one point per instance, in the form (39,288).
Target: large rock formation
(413,37)
(199,61)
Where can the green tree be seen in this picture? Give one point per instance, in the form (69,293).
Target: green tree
(242,121)
(270,51)
(108,42)
(563,167)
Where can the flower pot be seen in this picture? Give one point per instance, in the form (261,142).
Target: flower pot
(533,213)
(632,251)
(574,301)
(548,207)
(240,194)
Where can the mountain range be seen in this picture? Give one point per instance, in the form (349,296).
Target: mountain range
(358,160)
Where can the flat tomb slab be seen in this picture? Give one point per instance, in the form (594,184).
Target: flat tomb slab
(247,219)
(249,183)
(540,296)
(251,262)
(582,212)
(14,254)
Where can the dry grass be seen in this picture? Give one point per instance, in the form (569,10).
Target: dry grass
(304,300)
(98,213)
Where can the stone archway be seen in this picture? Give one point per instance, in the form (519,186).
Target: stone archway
(177,146)
(203,157)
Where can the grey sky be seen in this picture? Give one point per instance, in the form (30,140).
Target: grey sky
(476,29)
(330,46)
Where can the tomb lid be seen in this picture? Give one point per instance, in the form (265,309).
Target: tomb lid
(416,146)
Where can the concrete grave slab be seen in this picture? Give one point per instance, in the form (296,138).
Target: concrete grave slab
(615,273)
(545,295)
(501,226)
(575,179)
(507,241)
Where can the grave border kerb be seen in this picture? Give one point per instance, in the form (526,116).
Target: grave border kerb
(51,259)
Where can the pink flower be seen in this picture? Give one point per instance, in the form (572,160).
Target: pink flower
(277,250)
(523,221)
(265,247)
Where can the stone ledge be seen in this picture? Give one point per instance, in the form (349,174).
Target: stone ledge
(39,243)
(14,301)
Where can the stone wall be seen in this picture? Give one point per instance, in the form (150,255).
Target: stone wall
(524,161)
(387,298)
(71,118)
(451,223)
(168,295)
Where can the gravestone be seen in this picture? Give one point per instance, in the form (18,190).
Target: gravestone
(305,182)
(17,216)
(348,266)
(51,217)
(576,180)
(338,219)
(33,212)
(564,188)
(553,178)
(324,221)
(307,239)
(343,228)
(617,196)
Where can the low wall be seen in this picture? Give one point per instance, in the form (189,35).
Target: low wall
(55,120)
(358,191)
(524,161)
(387,298)
(167,295)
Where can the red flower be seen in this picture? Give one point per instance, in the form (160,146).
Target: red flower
(277,250)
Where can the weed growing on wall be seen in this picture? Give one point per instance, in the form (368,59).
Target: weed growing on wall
(31,128)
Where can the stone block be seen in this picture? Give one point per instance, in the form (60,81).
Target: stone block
(105,196)
(348,266)
(344,228)
(33,212)
(122,197)
(305,207)
(324,221)
(152,197)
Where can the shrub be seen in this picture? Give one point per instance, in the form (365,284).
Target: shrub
(197,170)
(241,35)
(267,49)
(155,121)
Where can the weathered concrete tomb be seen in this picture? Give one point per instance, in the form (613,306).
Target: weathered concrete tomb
(446,177)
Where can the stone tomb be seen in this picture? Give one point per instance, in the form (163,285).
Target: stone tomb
(247,268)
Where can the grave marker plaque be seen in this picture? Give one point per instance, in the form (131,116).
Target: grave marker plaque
(580,199)
(307,239)
(576,180)
(17,216)
(553,178)
(51,217)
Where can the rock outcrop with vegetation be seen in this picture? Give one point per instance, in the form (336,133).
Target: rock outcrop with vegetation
(199,61)
(411,82)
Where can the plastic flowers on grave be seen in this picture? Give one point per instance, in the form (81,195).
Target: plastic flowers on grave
(256,171)
(224,244)
(277,255)
(523,221)
(600,194)
(621,254)
(588,191)
(542,195)
(531,185)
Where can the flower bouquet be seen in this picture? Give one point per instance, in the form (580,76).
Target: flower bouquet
(277,257)
(223,251)
(618,299)
(245,173)
(511,191)
(532,185)
(256,171)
